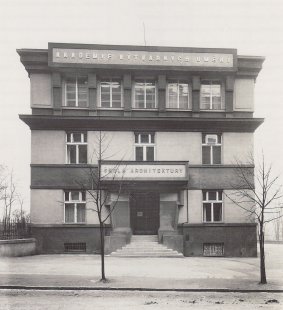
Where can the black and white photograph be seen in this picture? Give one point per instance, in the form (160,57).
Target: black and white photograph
(141,157)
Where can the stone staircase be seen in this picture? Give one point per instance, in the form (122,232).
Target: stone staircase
(145,246)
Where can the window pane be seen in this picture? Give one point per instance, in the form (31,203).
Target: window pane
(211,139)
(207,212)
(71,103)
(217,212)
(71,154)
(83,196)
(205,103)
(67,196)
(216,103)
(82,154)
(139,153)
(149,153)
(68,137)
(211,195)
(75,195)
(216,154)
(77,137)
(136,138)
(150,97)
(80,212)
(173,95)
(183,96)
(139,95)
(69,212)
(152,138)
(144,138)
(219,195)
(204,195)
(206,155)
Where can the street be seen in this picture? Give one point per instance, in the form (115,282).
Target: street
(55,300)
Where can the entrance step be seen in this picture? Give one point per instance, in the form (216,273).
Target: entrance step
(145,246)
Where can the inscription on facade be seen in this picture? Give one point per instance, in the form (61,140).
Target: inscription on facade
(147,171)
(115,57)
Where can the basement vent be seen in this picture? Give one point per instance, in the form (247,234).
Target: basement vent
(213,249)
(75,247)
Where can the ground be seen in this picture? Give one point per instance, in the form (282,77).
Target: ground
(86,300)
(182,278)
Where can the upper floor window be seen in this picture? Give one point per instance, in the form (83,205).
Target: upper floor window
(210,95)
(110,94)
(145,94)
(211,149)
(212,206)
(144,146)
(75,206)
(77,148)
(178,96)
(76,92)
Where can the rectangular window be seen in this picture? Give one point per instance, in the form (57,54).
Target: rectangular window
(144,146)
(76,92)
(178,96)
(212,206)
(145,95)
(213,249)
(210,95)
(211,149)
(111,94)
(76,148)
(75,206)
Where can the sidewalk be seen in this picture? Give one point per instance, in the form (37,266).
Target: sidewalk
(190,273)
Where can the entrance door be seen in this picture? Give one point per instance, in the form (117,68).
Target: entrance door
(144,213)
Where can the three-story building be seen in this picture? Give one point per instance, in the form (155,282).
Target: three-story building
(175,119)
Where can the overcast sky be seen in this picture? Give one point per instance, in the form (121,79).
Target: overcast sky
(253,27)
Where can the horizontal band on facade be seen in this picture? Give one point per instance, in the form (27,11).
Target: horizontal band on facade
(67,225)
(205,225)
(48,122)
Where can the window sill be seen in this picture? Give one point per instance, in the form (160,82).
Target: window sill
(75,108)
(118,109)
(144,109)
(202,110)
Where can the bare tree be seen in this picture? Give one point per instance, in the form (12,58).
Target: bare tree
(278,224)
(98,194)
(9,196)
(255,192)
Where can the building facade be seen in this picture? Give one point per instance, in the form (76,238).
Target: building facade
(174,122)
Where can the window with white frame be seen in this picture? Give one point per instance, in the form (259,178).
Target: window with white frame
(211,149)
(178,95)
(76,147)
(212,206)
(144,94)
(211,95)
(110,93)
(76,92)
(75,206)
(144,146)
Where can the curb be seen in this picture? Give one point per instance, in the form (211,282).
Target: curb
(88,288)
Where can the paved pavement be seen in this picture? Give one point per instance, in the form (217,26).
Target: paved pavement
(83,271)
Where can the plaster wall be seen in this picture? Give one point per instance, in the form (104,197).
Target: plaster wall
(237,146)
(195,206)
(40,90)
(244,94)
(184,146)
(48,147)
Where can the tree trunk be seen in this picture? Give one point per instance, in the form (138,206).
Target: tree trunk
(101,227)
(262,255)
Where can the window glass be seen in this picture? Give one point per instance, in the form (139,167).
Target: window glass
(206,155)
(139,153)
(216,154)
(71,152)
(111,93)
(75,195)
(77,137)
(210,95)
(144,95)
(82,154)
(217,212)
(144,138)
(178,95)
(76,92)
(211,195)
(80,212)
(69,212)
(150,153)
(207,212)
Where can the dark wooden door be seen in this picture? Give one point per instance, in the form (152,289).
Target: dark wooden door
(144,213)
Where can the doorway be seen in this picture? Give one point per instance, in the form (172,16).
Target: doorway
(144,212)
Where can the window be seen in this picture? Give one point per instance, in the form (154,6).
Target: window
(76,148)
(144,146)
(178,96)
(76,92)
(212,206)
(213,249)
(75,247)
(211,149)
(75,202)
(145,95)
(110,94)
(210,95)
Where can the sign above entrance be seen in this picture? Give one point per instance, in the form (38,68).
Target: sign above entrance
(95,55)
(133,171)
